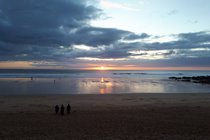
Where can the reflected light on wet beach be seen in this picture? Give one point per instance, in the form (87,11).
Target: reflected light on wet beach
(102,91)
(102,86)
(97,85)
(102,80)
(105,86)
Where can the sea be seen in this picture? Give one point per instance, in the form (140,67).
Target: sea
(43,81)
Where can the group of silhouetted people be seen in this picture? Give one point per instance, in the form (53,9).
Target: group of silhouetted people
(62,109)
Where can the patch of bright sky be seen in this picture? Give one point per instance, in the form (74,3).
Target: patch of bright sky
(157,17)
(153,39)
(83,47)
(100,59)
(161,39)
(167,54)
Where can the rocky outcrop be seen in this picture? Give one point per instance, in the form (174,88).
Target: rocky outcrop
(195,79)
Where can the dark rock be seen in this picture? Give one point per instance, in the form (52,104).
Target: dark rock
(194,79)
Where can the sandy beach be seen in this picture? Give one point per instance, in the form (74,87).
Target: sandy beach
(106,117)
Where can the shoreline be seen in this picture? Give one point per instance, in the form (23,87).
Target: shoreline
(101,101)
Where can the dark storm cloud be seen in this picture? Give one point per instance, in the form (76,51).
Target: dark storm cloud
(198,37)
(29,22)
(48,30)
(35,29)
(135,36)
(176,62)
(114,53)
(93,36)
(185,41)
(182,47)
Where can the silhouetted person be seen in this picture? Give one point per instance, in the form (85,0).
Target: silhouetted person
(56,109)
(31,78)
(68,108)
(62,109)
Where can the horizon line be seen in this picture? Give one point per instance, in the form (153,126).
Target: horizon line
(114,68)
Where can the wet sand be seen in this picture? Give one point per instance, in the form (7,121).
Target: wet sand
(106,117)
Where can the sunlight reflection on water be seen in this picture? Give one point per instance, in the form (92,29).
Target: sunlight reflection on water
(101,85)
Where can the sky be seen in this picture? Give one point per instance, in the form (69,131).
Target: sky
(108,34)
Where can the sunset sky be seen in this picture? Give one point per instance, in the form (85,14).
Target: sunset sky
(108,34)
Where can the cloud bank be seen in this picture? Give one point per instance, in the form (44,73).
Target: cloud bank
(58,31)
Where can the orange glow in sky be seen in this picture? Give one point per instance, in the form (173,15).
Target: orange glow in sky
(101,67)
(15,64)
